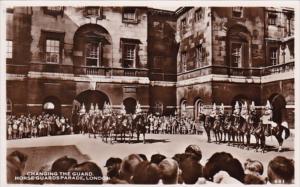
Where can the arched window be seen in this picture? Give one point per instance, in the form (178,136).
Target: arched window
(8,106)
(183,107)
(197,108)
(48,106)
(52,105)
(158,108)
(238,46)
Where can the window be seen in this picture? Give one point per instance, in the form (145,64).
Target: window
(94,11)
(199,14)
(183,61)
(236,54)
(237,12)
(273,55)
(129,55)
(92,56)
(272,19)
(291,49)
(199,55)
(54,10)
(183,25)
(9,48)
(8,106)
(52,51)
(129,15)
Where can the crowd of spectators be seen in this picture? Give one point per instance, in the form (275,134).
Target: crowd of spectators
(182,168)
(27,126)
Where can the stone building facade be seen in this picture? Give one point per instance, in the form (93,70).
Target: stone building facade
(168,61)
(229,54)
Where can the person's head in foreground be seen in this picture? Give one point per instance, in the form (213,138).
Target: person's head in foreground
(95,174)
(113,166)
(169,171)
(194,151)
(146,173)
(253,172)
(128,166)
(191,170)
(157,158)
(281,170)
(222,161)
(63,164)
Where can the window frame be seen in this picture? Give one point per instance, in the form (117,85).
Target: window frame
(50,35)
(9,104)
(234,55)
(183,25)
(125,55)
(200,55)
(52,52)
(237,10)
(183,59)
(9,49)
(199,14)
(53,12)
(274,58)
(272,18)
(125,19)
(98,52)
(98,15)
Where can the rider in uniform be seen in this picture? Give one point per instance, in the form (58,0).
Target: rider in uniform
(267,117)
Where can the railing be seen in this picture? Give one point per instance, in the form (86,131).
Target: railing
(234,71)
(281,68)
(155,75)
(50,67)
(17,68)
(108,71)
(159,76)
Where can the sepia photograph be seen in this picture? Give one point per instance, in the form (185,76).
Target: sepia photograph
(149,94)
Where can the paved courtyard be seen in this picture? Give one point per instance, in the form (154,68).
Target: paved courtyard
(46,149)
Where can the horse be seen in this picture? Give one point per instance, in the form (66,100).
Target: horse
(108,127)
(279,130)
(209,120)
(232,129)
(217,129)
(227,119)
(139,126)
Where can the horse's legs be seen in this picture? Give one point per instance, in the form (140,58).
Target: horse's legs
(144,140)
(248,137)
(280,142)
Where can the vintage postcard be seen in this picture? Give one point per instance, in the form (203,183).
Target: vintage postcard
(153,93)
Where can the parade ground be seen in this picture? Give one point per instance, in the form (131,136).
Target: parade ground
(44,150)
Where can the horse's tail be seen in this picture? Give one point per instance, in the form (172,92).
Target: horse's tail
(286,131)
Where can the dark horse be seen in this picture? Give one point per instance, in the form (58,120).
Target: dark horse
(280,131)
(108,128)
(217,129)
(139,126)
(208,125)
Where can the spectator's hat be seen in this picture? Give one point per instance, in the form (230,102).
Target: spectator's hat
(111,161)
(194,149)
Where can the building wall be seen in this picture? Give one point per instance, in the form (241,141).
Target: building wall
(222,21)
(74,18)
(195,33)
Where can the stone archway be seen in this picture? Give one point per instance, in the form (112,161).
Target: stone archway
(52,105)
(197,107)
(130,105)
(278,104)
(92,47)
(90,97)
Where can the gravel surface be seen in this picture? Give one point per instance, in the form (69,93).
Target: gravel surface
(168,145)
